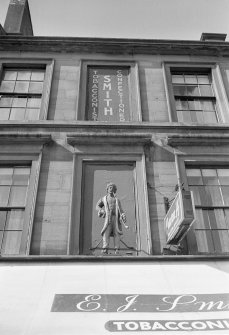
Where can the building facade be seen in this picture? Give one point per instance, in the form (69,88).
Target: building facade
(150,116)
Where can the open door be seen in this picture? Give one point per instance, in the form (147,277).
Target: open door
(95,178)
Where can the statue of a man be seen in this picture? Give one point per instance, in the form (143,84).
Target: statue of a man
(109,207)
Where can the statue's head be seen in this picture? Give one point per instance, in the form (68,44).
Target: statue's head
(111,186)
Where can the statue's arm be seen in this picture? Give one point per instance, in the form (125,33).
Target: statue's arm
(122,213)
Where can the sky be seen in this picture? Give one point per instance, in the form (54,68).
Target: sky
(150,19)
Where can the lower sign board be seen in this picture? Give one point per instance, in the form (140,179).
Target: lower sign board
(167,325)
(179,217)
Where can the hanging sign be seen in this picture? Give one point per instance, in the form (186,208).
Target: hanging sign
(108,94)
(179,217)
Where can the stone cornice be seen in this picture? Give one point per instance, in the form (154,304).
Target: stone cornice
(197,140)
(24,138)
(109,137)
(112,45)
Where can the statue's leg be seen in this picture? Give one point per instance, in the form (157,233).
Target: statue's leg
(106,239)
(116,241)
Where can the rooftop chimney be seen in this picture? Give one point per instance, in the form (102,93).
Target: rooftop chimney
(213,37)
(18,20)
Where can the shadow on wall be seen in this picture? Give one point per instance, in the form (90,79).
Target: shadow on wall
(51,220)
(161,182)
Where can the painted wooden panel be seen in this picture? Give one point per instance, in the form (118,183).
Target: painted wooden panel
(96,177)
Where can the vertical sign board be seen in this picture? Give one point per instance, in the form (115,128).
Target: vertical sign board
(108,94)
(179,217)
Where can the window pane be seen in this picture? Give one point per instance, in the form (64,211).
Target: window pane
(218,219)
(36,87)
(210,177)
(210,117)
(18,196)
(204,241)
(179,90)
(178,78)
(190,79)
(200,117)
(194,177)
(214,196)
(226,211)
(206,90)
(203,79)
(180,116)
(221,240)
(178,104)
(199,194)
(192,90)
(32,114)
(7,86)
(186,116)
(4,113)
(194,116)
(202,221)
(181,104)
(4,195)
(22,86)
(24,75)
(15,220)
(19,102)
(21,176)
(225,191)
(6,176)
(34,103)
(194,104)
(10,75)
(207,105)
(38,76)
(2,220)
(17,114)
(6,101)
(11,242)
(223,176)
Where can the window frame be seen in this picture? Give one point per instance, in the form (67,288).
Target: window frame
(217,84)
(197,160)
(24,63)
(134,87)
(17,150)
(90,150)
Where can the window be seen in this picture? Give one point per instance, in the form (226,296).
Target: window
(194,97)
(210,187)
(25,89)
(109,92)
(196,93)
(21,93)
(14,181)
(20,160)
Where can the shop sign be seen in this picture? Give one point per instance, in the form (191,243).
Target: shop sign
(179,217)
(119,303)
(108,94)
(167,325)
